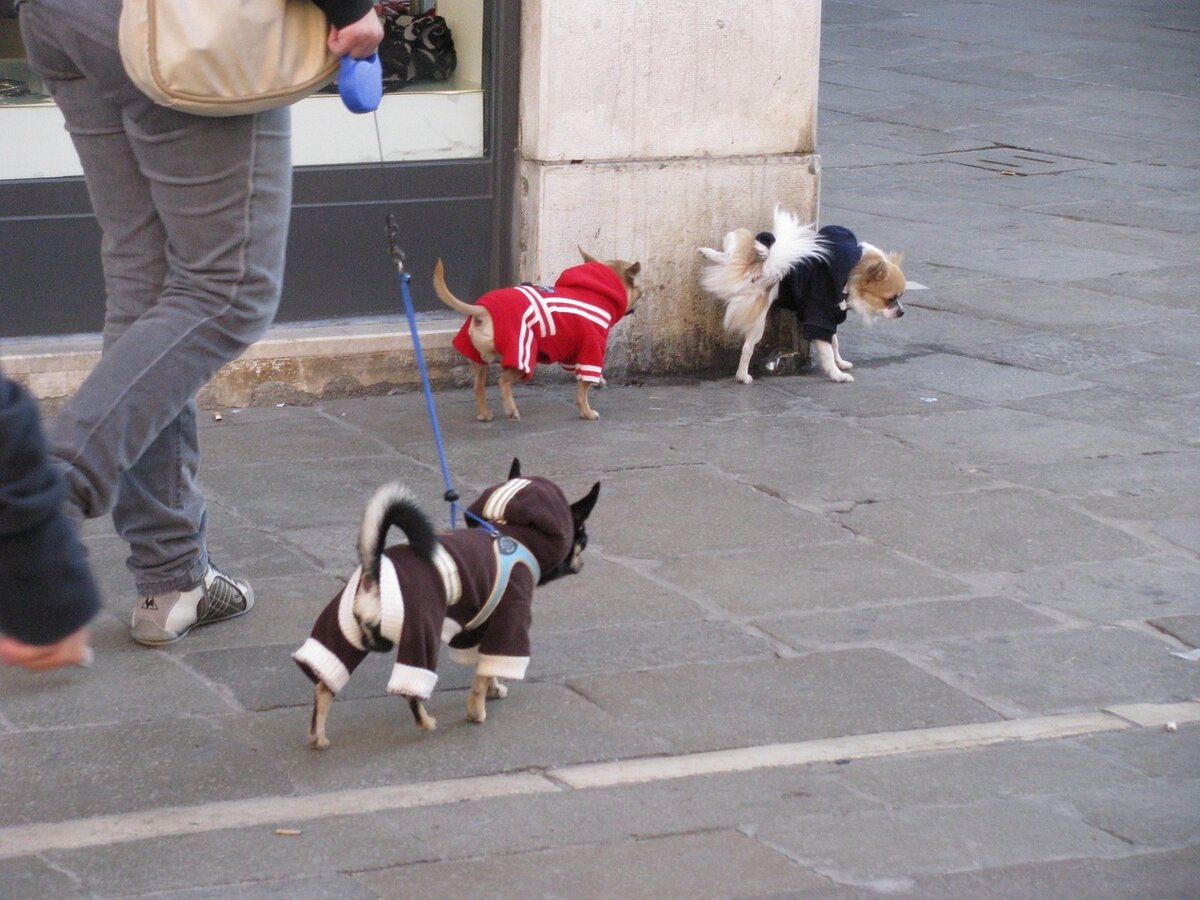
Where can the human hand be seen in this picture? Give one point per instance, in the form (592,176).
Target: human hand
(73,650)
(360,39)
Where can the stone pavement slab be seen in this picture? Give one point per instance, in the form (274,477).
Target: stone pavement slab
(1185,628)
(1004,530)
(131,766)
(714,863)
(907,624)
(1071,670)
(1101,592)
(821,576)
(1151,876)
(883,849)
(747,703)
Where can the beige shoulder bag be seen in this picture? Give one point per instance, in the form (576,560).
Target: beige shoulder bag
(225,57)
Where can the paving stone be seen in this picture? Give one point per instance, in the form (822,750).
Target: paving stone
(1185,628)
(1161,816)
(1182,532)
(1009,772)
(290,494)
(684,866)
(632,647)
(800,451)
(375,741)
(221,863)
(819,695)
(30,878)
(1152,876)
(977,379)
(1111,407)
(819,577)
(987,438)
(1107,593)
(134,688)
(878,849)
(1065,355)
(1032,304)
(906,624)
(1156,753)
(513,825)
(649,513)
(54,775)
(1081,669)
(1165,286)
(262,677)
(274,434)
(1156,484)
(1158,378)
(990,531)
(607,593)
(332,888)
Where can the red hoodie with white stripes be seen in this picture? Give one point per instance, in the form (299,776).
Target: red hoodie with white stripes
(567,324)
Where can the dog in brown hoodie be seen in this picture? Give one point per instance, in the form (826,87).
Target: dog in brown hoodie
(471,588)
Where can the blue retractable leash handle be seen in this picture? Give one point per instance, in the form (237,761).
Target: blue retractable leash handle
(360,83)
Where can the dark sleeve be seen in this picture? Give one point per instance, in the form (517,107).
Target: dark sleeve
(46,588)
(342,12)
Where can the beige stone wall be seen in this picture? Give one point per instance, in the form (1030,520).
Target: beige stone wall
(649,129)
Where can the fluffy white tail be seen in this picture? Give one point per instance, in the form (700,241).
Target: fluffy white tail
(793,243)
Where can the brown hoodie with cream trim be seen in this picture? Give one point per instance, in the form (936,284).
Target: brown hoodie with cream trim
(427,602)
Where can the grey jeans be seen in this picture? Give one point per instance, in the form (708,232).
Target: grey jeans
(194,213)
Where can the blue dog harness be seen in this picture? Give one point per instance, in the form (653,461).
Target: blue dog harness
(509,554)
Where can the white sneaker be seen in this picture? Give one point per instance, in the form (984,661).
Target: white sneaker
(165,618)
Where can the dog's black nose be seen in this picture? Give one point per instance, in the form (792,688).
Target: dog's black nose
(765,238)
(899,310)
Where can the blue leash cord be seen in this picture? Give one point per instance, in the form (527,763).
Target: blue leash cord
(451,495)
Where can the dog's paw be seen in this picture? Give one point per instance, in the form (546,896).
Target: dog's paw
(429,723)
(318,743)
(513,414)
(590,414)
(478,715)
(484,416)
(497,690)
(845,365)
(841,377)
(745,379)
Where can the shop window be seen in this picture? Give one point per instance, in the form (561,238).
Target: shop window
(437,115)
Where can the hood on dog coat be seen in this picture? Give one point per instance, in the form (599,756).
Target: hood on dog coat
(425,603)
(567,324)
(815,289)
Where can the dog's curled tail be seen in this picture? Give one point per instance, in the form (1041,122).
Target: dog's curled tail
(392,504)
(793,243)
(443,292)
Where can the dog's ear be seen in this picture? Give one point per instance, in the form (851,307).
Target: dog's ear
(587,257)
(877,271)
(582,508)
(896,258)
(514,471)
(633,271)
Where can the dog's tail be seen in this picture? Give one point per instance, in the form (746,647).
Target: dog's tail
(443,292)
(392,504)
(793,244)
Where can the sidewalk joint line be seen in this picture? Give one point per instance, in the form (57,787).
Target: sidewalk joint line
(121,828)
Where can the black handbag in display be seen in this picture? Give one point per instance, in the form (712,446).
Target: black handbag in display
(414,47)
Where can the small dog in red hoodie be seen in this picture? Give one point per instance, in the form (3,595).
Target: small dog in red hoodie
(531,323)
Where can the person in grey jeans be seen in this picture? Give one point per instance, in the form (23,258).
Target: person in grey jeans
(194,213)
